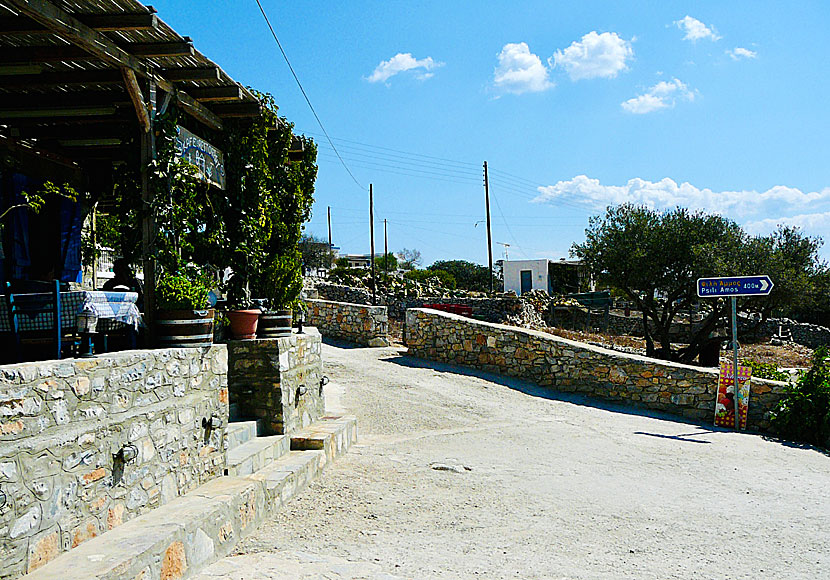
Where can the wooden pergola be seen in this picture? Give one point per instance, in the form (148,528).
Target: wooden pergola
(77,76)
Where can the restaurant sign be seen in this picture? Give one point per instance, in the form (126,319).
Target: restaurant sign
(205,157)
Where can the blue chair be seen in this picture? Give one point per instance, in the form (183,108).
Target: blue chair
(46,308)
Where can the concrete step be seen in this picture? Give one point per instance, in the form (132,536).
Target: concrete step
(240,432)
(190,532)
(255,454)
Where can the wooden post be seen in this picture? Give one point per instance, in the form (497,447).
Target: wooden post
(489,234)
(148,222)
(372,245)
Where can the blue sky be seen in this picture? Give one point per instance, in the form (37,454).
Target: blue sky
(720,106)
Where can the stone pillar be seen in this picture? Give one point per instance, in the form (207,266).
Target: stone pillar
(277,381)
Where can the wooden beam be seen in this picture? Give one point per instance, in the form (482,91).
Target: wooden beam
(160,49)
(238,110)
(68,112)
(63,100)
(137,98)
(226,93)
(74,78)
(70,28)
(198,111)
(98,22)
(111,129)
(70,53)
(179,75)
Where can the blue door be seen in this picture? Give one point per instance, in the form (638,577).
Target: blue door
(527,281)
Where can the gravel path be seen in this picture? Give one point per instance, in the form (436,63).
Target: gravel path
(468,475)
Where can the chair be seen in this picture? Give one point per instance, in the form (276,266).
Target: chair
(43,310)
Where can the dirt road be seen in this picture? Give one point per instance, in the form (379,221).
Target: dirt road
(467,475)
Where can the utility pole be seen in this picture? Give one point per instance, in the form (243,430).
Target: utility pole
(372,244)
(489,234)
(331,249)
(385,249)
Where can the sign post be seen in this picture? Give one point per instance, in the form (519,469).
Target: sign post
(733,287)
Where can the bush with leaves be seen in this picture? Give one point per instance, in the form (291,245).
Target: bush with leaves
(765,370)
(181,292)
(442,277)
(804,412)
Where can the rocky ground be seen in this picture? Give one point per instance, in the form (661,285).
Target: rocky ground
(469,475)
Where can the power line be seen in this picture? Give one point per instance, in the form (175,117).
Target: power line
(302,90)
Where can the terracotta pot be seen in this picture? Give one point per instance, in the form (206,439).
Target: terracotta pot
(243,323)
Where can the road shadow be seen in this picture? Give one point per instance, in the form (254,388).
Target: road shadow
(550,393)
(795,444)
(685,437)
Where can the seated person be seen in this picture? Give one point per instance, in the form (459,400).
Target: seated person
(125,280)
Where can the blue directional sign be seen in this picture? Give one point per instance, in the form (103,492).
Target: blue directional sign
(734,286)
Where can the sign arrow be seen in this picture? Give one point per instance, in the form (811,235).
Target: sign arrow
(760,285)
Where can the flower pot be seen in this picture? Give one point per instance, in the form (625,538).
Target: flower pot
(275,324)
(243,323)
(184,328)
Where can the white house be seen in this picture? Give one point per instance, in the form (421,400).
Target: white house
(553,276)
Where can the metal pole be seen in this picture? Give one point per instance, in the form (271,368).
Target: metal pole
(385,249)
(94,247)
(372,244)
(489,234)
(331,249)
(735,360)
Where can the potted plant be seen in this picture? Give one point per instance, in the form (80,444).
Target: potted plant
(281,284)
(184,317)
(242,315)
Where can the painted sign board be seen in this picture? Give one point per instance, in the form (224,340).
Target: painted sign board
(725,400)
(734,286)
(208,160)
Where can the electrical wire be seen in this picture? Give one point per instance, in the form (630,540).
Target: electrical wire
(302,90)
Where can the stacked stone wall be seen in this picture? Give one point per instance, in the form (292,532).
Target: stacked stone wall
(570,366)
(358,323)
(278,381)
(63,425)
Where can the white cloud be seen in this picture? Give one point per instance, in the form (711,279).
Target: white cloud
(751,207)
(695,30)
(663,95)
(739,53)
(595,56)
(812,223)
(520,71)
(403,62)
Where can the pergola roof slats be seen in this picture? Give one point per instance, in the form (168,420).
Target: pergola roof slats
(99,22)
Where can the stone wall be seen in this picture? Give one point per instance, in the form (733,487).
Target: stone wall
(495,309)
(358,323)
(571,366)
(63,425)
(811,335)
(278,381)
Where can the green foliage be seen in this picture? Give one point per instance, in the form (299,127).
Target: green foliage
(468,276)
(387,262)
(765,370)
(281,282)
(342,262)
(268,198)
(442,277)
(656,257)
(804,412)
(179,292)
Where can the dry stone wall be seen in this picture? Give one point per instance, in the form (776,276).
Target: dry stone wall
(358,323)
(278,381)
(63,425)
(571,366)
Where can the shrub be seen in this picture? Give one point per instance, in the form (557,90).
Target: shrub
(445,279)
(804,412)
(765,370)
(177,292)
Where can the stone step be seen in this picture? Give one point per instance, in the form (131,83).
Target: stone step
(256,454)
(332,434)
(194,530)
(240,432)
